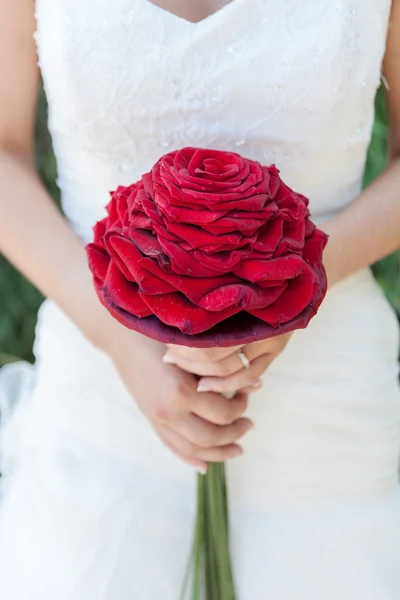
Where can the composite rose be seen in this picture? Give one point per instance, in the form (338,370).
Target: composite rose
(209,248)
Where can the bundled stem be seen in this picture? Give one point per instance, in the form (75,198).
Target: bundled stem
(212,572)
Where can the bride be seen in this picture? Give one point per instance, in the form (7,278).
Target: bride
(99,452)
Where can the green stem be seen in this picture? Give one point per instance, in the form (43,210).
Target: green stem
(211,571)
(211,566)
(198,539)
(225,496)
(218,522)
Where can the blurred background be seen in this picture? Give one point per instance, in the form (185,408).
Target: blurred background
(19,301)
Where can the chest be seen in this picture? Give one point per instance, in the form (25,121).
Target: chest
(193,11)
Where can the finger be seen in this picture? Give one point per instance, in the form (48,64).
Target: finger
(254,387)
(207,368)
(201,354)
(200,466)
(208,435)
(227,366)
(219,410)
(273,345)
(179,446)
(207,355)
(238,381)
(189,452)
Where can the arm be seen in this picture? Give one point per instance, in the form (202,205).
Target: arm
(363,233)
(369,228)
(33,234)
(36,239)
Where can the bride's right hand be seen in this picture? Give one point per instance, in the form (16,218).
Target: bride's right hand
(198,427)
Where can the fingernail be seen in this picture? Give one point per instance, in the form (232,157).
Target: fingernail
(201,470)
(238,451)
(203,388)
(168,359)
(256,384)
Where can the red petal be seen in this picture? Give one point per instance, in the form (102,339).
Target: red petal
(98,261)
(123,293)
(243,295)
(292,238)
(298,294)
(99,230)
(111,249)
(131,257)
(177,311)
(183,262)
(269,236)
(277,269)
(314,246)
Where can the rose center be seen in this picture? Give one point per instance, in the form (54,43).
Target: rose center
(213,166)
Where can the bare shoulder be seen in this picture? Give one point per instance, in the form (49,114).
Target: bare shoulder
(19,75)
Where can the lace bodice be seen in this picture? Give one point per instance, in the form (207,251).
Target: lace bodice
(290,82)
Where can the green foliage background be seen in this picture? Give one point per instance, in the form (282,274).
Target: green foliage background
(19,300)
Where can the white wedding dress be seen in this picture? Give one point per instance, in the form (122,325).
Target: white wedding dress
(93,506)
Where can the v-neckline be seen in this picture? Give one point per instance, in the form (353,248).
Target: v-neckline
(171,15)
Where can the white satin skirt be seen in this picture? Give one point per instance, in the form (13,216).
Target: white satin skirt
(93,507)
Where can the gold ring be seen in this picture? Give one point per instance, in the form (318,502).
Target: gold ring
(244,359)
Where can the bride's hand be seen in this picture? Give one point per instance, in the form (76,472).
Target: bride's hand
(222,369)
(198,427)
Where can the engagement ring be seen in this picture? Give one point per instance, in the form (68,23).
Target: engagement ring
(244,359)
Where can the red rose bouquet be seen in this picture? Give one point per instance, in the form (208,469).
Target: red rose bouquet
(209,249)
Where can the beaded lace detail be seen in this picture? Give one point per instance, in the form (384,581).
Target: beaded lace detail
(289,82)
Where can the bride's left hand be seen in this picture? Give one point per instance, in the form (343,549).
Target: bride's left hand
(222,370)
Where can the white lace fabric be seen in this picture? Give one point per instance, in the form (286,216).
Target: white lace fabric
(288,82)
(93,506)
